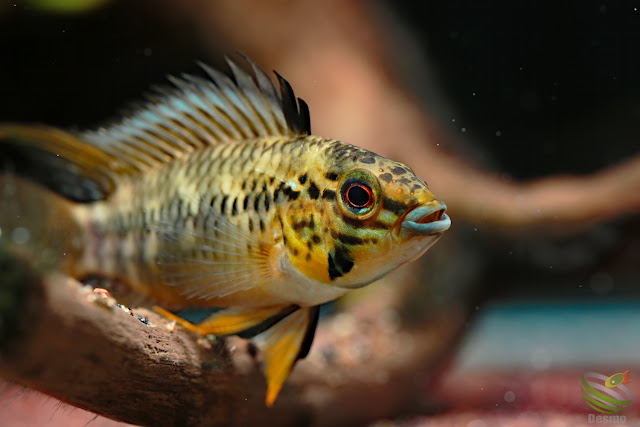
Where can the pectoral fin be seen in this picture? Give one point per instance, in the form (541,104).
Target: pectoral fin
(283,344)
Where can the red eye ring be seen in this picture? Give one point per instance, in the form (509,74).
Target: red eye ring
(363,197)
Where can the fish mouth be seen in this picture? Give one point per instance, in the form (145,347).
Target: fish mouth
(426,220)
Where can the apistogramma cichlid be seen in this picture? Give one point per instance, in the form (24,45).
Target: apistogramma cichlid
(215,193)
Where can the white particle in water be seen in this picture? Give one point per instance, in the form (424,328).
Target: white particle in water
(463,130)
(509,396)
(498,133)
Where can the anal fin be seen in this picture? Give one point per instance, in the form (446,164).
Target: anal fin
(244,322)
(283,344)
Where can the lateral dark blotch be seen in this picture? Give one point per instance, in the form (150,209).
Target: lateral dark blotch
(333,271)
(343,259)
(302,179)
(316,239)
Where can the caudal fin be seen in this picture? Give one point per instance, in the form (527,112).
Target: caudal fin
(57,160)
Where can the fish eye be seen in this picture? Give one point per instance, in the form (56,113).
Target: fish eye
(359,193)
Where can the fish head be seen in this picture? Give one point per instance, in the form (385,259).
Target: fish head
(374,215)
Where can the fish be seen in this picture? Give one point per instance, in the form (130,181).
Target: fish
(618,379)
(213,192)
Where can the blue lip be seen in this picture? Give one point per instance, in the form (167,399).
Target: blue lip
(411,220)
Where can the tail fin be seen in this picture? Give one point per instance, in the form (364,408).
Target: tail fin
(58,160)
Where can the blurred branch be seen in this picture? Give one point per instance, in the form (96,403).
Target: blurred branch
(78,346)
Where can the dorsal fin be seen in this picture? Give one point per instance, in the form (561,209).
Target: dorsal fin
(197,112)
(194,113)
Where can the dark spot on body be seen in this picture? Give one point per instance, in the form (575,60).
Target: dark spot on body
(293,195)
(250,224)
(333,271)
(223,205)
(343,259)
(312,222)
(349,240)
(386,177)
(261,225)
(331,176)
(404,181)
(302,179)
(368,160)
(316,239)
(256,203)
(328,194)
(308,256)
(295,252)
(309,244)
(234,207)
(245,203)
(314,191)
(267,202)
(398,170)
(416,187)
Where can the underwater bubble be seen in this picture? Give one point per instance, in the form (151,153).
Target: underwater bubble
(509,396)
(20,235)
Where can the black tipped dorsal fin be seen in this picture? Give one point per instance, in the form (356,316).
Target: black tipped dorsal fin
(194,113)
(197,112)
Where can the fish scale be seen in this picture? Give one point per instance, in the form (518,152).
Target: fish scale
(215,193)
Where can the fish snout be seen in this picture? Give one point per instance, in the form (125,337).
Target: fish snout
(427,219)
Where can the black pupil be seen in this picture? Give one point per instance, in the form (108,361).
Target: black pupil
(358,196)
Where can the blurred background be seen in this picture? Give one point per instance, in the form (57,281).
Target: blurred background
(495,105)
